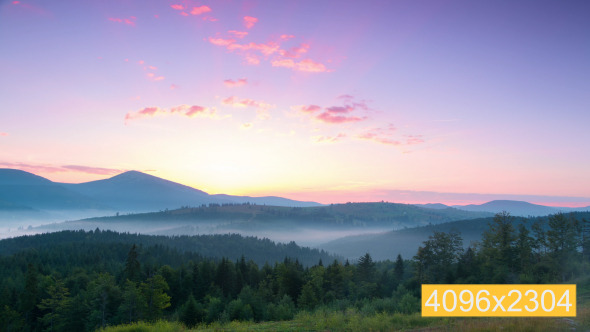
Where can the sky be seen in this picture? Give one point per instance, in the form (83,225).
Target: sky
(331,101)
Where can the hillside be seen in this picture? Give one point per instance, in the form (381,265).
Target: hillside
(231,246)
(387,245)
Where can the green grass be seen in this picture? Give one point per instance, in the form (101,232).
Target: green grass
(353,320)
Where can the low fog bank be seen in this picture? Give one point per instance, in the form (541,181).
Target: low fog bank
(17,223)
(302,235)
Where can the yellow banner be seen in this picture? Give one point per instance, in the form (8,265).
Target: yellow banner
(499,300)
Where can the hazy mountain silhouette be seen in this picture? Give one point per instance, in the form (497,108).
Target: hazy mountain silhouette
(136,191)
(131,191)
(20,188)
(515,208)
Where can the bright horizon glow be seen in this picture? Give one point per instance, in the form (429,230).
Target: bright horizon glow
(330,101)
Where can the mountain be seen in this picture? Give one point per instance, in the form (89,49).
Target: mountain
(266,200)
(136,191)
(131,191)
(437,206)
(515,208)
(29,191)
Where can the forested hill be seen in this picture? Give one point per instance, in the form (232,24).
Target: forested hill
(388,245)
(350,214)
(76,246)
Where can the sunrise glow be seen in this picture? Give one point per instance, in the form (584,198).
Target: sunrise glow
(330,101)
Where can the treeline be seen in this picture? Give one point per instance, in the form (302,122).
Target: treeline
(350,214)
(76,286)
(553,249)
(231,246)
(82,286)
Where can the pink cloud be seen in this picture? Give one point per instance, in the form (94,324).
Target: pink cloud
(200,10)
(340,109)
(345,97)
(306,65)
(3,134)
(209,18)
(309,65)
(146,112)
(252,60)
(283,63)
(328,117)
(177,7)
(236,83)
(153,67)
(184,110)
(173,86)
(93,170)
(16,2)
(306,109)
(184,14)
(295,52)
(38,168)
(129,21)
(238,34)
(266,49)
(329,139)
(287,37)
(250,21)
(386,136)
(221,41)
(179,108)
(246,102)
(196,110)
(379,139)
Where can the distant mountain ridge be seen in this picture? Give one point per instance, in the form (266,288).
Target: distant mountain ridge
(130,191)
(518,208)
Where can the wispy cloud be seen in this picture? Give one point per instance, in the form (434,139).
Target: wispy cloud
(93,170)
(271,51)
(328,117)
(237,83)
(221,41)
(178,7)
(328,139)
(129,21)
(173,86)
(238,34)
(245,102)
(44,168)
(3,134)
(306,108)
(389,136)
(335,114)
(295,52)
(146,112)
(200,10)
(190,111)
(250,21)
(306,65)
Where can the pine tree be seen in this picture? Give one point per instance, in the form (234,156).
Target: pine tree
(132,267)
(398,269)
(153,291)
(192,313)
(55,305)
